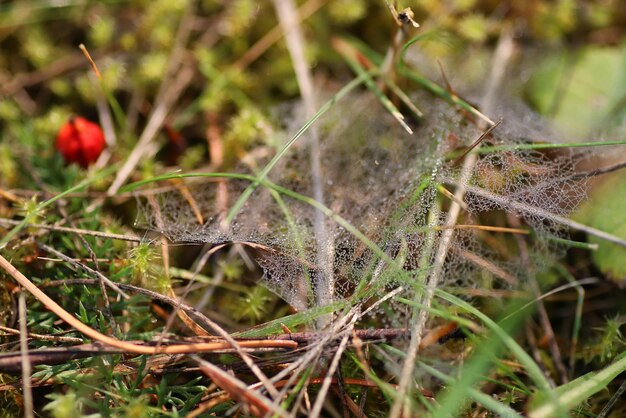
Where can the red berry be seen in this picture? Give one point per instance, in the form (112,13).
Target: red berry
(80,141)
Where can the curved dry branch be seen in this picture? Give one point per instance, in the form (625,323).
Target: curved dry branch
(130,347)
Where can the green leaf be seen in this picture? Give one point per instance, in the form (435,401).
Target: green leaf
(605,211)
(581,90)
(577,391)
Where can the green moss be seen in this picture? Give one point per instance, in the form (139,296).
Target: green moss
(347,11)
(474,27)
(103,29)
(66,405)
(605,211)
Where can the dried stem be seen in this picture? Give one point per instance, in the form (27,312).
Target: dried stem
(533,210)
(27,392)
(164,100)
(271,37)
(288,17)
(55,338)
(501,57)
(101,277)
(321,396)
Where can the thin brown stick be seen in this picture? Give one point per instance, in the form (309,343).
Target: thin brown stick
(88,269)
(536,211)
(94,67)
(184,191)
(77,231)
(11,362)
(321,396)
(445,79)
(616,396)
(79,260)
(477,142)
(597,172)
(52,70)
(55,338)
(258,404)
(271,37)
(10,196)
(27,392)
(447,193)
(487,265)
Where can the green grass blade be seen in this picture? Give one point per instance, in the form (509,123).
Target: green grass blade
(533,370)
(577,391)
(371,85)
(263,174)
(520,147)
(472,372)
(485,400)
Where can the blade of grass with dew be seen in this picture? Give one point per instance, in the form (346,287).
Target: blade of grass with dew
(27,219)
(234,210)
(577,391)
(413,75)
(292,321)
(403,67)
(201,278)
(404,98)
(573,244)
(371,85)
(433,34)
(570,285)
(437,90)
(522,147)
(349,52)
(299,241)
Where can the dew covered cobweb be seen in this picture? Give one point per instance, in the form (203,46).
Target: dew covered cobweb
(384,181)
